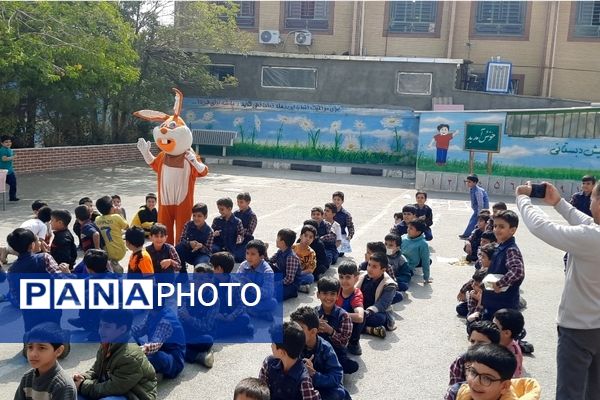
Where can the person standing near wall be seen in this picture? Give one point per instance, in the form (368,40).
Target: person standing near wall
(7,155)
(581,200)
(479,201)
(578,352)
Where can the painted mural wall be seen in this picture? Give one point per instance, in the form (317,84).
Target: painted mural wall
(443,162)
(311,132)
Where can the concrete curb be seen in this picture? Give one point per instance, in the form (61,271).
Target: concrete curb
(408,173)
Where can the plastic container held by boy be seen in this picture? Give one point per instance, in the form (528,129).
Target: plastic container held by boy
(490,279)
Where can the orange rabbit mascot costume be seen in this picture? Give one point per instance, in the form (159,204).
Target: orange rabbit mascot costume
(177,166)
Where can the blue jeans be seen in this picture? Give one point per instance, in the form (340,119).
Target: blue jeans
(290,291)
(376,319)
(471,225)
(191,257)
(441,155)
(11,181)
(306,279)
(332,255)
(166,364)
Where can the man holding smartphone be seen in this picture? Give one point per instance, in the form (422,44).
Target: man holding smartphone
(578,352)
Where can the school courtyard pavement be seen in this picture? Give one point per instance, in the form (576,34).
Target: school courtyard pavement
(411,363)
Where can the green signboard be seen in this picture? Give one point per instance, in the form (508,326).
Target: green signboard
(482,137)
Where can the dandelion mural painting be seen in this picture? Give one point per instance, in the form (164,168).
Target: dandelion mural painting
(318,132)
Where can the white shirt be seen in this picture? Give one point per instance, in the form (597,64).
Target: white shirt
(36,226)
(579,306)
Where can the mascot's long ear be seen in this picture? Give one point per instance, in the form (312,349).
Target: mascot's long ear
(151,115)
(178,102)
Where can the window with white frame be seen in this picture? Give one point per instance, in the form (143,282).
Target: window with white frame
(289,77)
(500,18)
(414,83)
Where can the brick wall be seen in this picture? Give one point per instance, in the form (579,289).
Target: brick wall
(70,157)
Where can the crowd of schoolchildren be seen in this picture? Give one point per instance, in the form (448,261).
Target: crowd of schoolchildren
(310,360)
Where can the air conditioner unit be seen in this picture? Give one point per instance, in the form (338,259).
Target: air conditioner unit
(498,76)
(268,37)
(303,38)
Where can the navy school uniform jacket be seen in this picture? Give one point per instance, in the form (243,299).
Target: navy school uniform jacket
(290,385)
(329,373)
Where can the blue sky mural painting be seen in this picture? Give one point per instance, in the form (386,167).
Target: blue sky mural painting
(539,156)
(319,132)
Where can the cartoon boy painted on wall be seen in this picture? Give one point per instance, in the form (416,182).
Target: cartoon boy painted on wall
(442,142)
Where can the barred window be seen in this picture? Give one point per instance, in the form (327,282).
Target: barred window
(560,124)
(311,15)
(500,18)
(413,16)
(587,21)
(246,16)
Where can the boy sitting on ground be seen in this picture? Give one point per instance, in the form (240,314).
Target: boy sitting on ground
(423,210)
(46,379)
(329,212)
(121,369)
(195,244)
(198,322)
(228,231)
(416,250)
(477,332)
(63,248)
(257,270)
(511,323)
(247,216)
(398,266)
(486,238)
(286,262)
(164,256)
(379,292)
(485,256)
(251,389)
(473,242)
(496,208)
(147,215)
(507,262)
(319,357)
(231,320)
(335,325)
(319,248)
(489,376)
(284,371)
(350,299)
(326,234)
(307,256)
(140,261)
(111,226)
(165,344)
(89,236)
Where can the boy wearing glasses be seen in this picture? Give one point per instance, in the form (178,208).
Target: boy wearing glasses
(489,371)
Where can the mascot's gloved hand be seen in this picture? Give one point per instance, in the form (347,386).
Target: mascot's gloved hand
(144,148)
(192,158)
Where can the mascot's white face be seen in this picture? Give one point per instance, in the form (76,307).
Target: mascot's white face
(173,136)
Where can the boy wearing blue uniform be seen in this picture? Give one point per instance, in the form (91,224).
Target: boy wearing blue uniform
(474,241)
(284,372)
(286,262)
(326,234)
(416,250)
(319,357)
(409,214)
(199,322)
(581,200)
(335,325)
(165,345)
(164,256)
(508,262)
(423,210)
(379,291)
(231,320)
(344,218)
(257,270)
(247,216)
(228,231)
(196,240)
